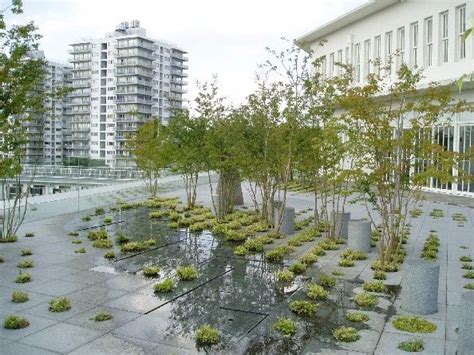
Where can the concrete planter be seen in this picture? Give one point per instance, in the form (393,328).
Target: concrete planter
(359,235)
(288,223)
(341,224)
(466,324)
(420,284)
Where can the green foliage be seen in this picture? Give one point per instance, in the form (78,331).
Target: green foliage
(346,262)
(374,286)
(277,254)
(285,326)
(253,245)
(102,317)
(1,259)
(73,234)
(469,286)
(380,275)
(468,275)
(459,217)
(59,304)
(121,238)
(132,247)
(465,258)
(337,273)
(151,271)
(19,297)
(109,254)
(316,292)
(413,324)
(241,250)
(387,266)
(327,280)
(328,244)
(25,264)
(285,275)
(308,258)
(357,317)
(167,285)
(416,212)
(15,322)
(353,254)
(85,218)
(80,250)
(103,243)
(29,235)
(99,211)
(26,252)
(97,234)
(412,346)
(303,308)
(366,299)
(430,248)
(297,268)
(346,334)
(23,277)
(108,220)
(206,335)
(436,213)
(76,241)
(187,273)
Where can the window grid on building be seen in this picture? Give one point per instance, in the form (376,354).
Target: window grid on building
(400,46)
(444,36)
(367,59)
(428,53)
(377,52)
(414,44)
(461,29)
(357,62)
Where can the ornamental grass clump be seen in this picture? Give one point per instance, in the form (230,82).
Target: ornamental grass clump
(297,268)
(430,248)
(29,235)
(380,275)
(353,254)
(151,271)
(468,275)
(285,275)
(387,267)
(76,241)
(327,280)
(374,286)
(465,259)
(303,308)
(206,335)
(25,264)
(187,273)
(366,300)
(121,238)
(346,334)
(26,252)
(412,346)
(59,304)
(15,322)
(436,213)
(285,326)
(80,250)
(99,211)
(97,234)
(133,247)
(469,286)
(102,317)
(23,277)
(241,250)
(413,324)
(346,262)
(167,285)
(317,292)
(109,255)
(19,297)
(108,220)
(277,254)
(102,244)
(467,266)
(253,245)
(308,258)
(357,317)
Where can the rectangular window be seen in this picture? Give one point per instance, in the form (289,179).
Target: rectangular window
(377,53)
(400,46)
(443,31)
(339,60)
(460,30)
(331,64)
(414,44)
(428,41)
(348,56)
(357,63)
(367,57)
(388,47)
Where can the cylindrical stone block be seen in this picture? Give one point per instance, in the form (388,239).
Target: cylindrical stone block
(466,324)
(420,284)
(288,221)
(238,195)
(341,224)
(359,235)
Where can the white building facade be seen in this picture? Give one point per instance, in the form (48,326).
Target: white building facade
(120,82)
(424,34)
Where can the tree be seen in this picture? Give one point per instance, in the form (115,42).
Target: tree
(21,98)
(397,154)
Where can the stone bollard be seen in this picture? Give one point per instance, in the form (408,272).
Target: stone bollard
(341,223)
(288,222)
(218,205)
(359,235)
(466,325)
(420,284)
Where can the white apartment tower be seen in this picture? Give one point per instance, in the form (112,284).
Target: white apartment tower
(119,82)
(45,131)
(425,34)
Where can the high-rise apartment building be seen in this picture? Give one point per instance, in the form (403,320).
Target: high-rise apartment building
(119,82)
(45,130)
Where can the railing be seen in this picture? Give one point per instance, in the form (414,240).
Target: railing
(75,171)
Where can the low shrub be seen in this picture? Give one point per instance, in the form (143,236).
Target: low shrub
(366,299)
(380,275)
(285,275)
(59,304)
(15,322)
(253,245)
(25,264)
(80,251)
(277,254)
(206,335)
(308,258)
(465,259)
(73,234)
(468,275)
(23,277)
(29,234)
(102,244)
(76,241)
(121,238)
(151,271)
(337,273)
(303,308)
(26,252)
(173,225)
(413,324)
(328,244)
(459,217)
(167,285)
(187,273)
(412,346)
(285,326)
(353,254)
(132,247)
(467,266)
(108,220)
(436,213)
(318,251)
(109,255)
(297,268)
(85,218)
(241,250)
(357,317)
(387,267)
(19,297)
(346,262)
(469,286)
(374,286)
(317,292)
(97,235)
(99,211)
(102,317)
(149,242)
(326,280)
(346,334)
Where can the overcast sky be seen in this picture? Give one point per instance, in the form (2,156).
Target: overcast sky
(227,38)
